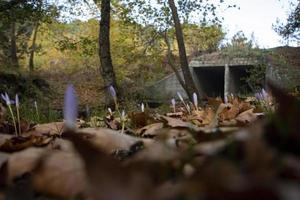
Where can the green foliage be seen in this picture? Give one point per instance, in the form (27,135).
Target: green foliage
(45,115)
(17,23)
(242,47)
(292,27)
(202,38)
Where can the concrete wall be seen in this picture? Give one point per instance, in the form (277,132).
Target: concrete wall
(211,81)
(164,90)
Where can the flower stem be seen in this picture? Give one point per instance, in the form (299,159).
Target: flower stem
(13,118)
(123,127)
(37,114)
(19,121)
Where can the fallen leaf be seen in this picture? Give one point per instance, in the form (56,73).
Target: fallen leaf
(246,117)
(18,143)
(23,162)
(177,123)
(214,102)
(150,130)
(54,128)
(230,112)
(109,140)
(107,178)
(60,174)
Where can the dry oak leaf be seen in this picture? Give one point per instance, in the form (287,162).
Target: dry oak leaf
(18,143)
(214,102)
(108,179)
(229,112)
(202,117)
(177,123)
(150,130)
(61,174)
(244,106)
(23,162)
(247,117)
(53,128)
(109,140)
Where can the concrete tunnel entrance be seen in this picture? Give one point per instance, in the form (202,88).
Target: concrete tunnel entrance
(211,80)
(217,81)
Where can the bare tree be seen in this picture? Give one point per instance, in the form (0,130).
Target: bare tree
(189,83)
(107,69)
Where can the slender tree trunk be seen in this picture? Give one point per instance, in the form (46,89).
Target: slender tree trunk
(171,62)
(190,85)
(13,46)
(33,47)
(107,70)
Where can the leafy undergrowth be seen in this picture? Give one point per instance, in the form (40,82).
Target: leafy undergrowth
(219,151)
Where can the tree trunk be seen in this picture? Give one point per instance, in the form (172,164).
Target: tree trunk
(33,47)
(190,85)
(171,62)
(107,70)
(13,46)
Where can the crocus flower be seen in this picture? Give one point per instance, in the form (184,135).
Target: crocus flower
(123,115)
(264,94)
(195,100)
(112,92)
(143,107)
(173,102)
(6,98)
(17,100)
(18,112)
(8,102)
(123,121)
(70,108)
(225,99)
(110,111)
(258,96)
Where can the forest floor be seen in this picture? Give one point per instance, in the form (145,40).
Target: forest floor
(224,150)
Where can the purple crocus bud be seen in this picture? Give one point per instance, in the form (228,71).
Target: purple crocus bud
(180,97)
(112,92)
(173,102)
(70,109)
(264,94)
(225,99)
(17,100)
(6,98)
(258,96)
(195,99)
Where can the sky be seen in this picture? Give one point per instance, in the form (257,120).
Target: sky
(257,17)
(254,17)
